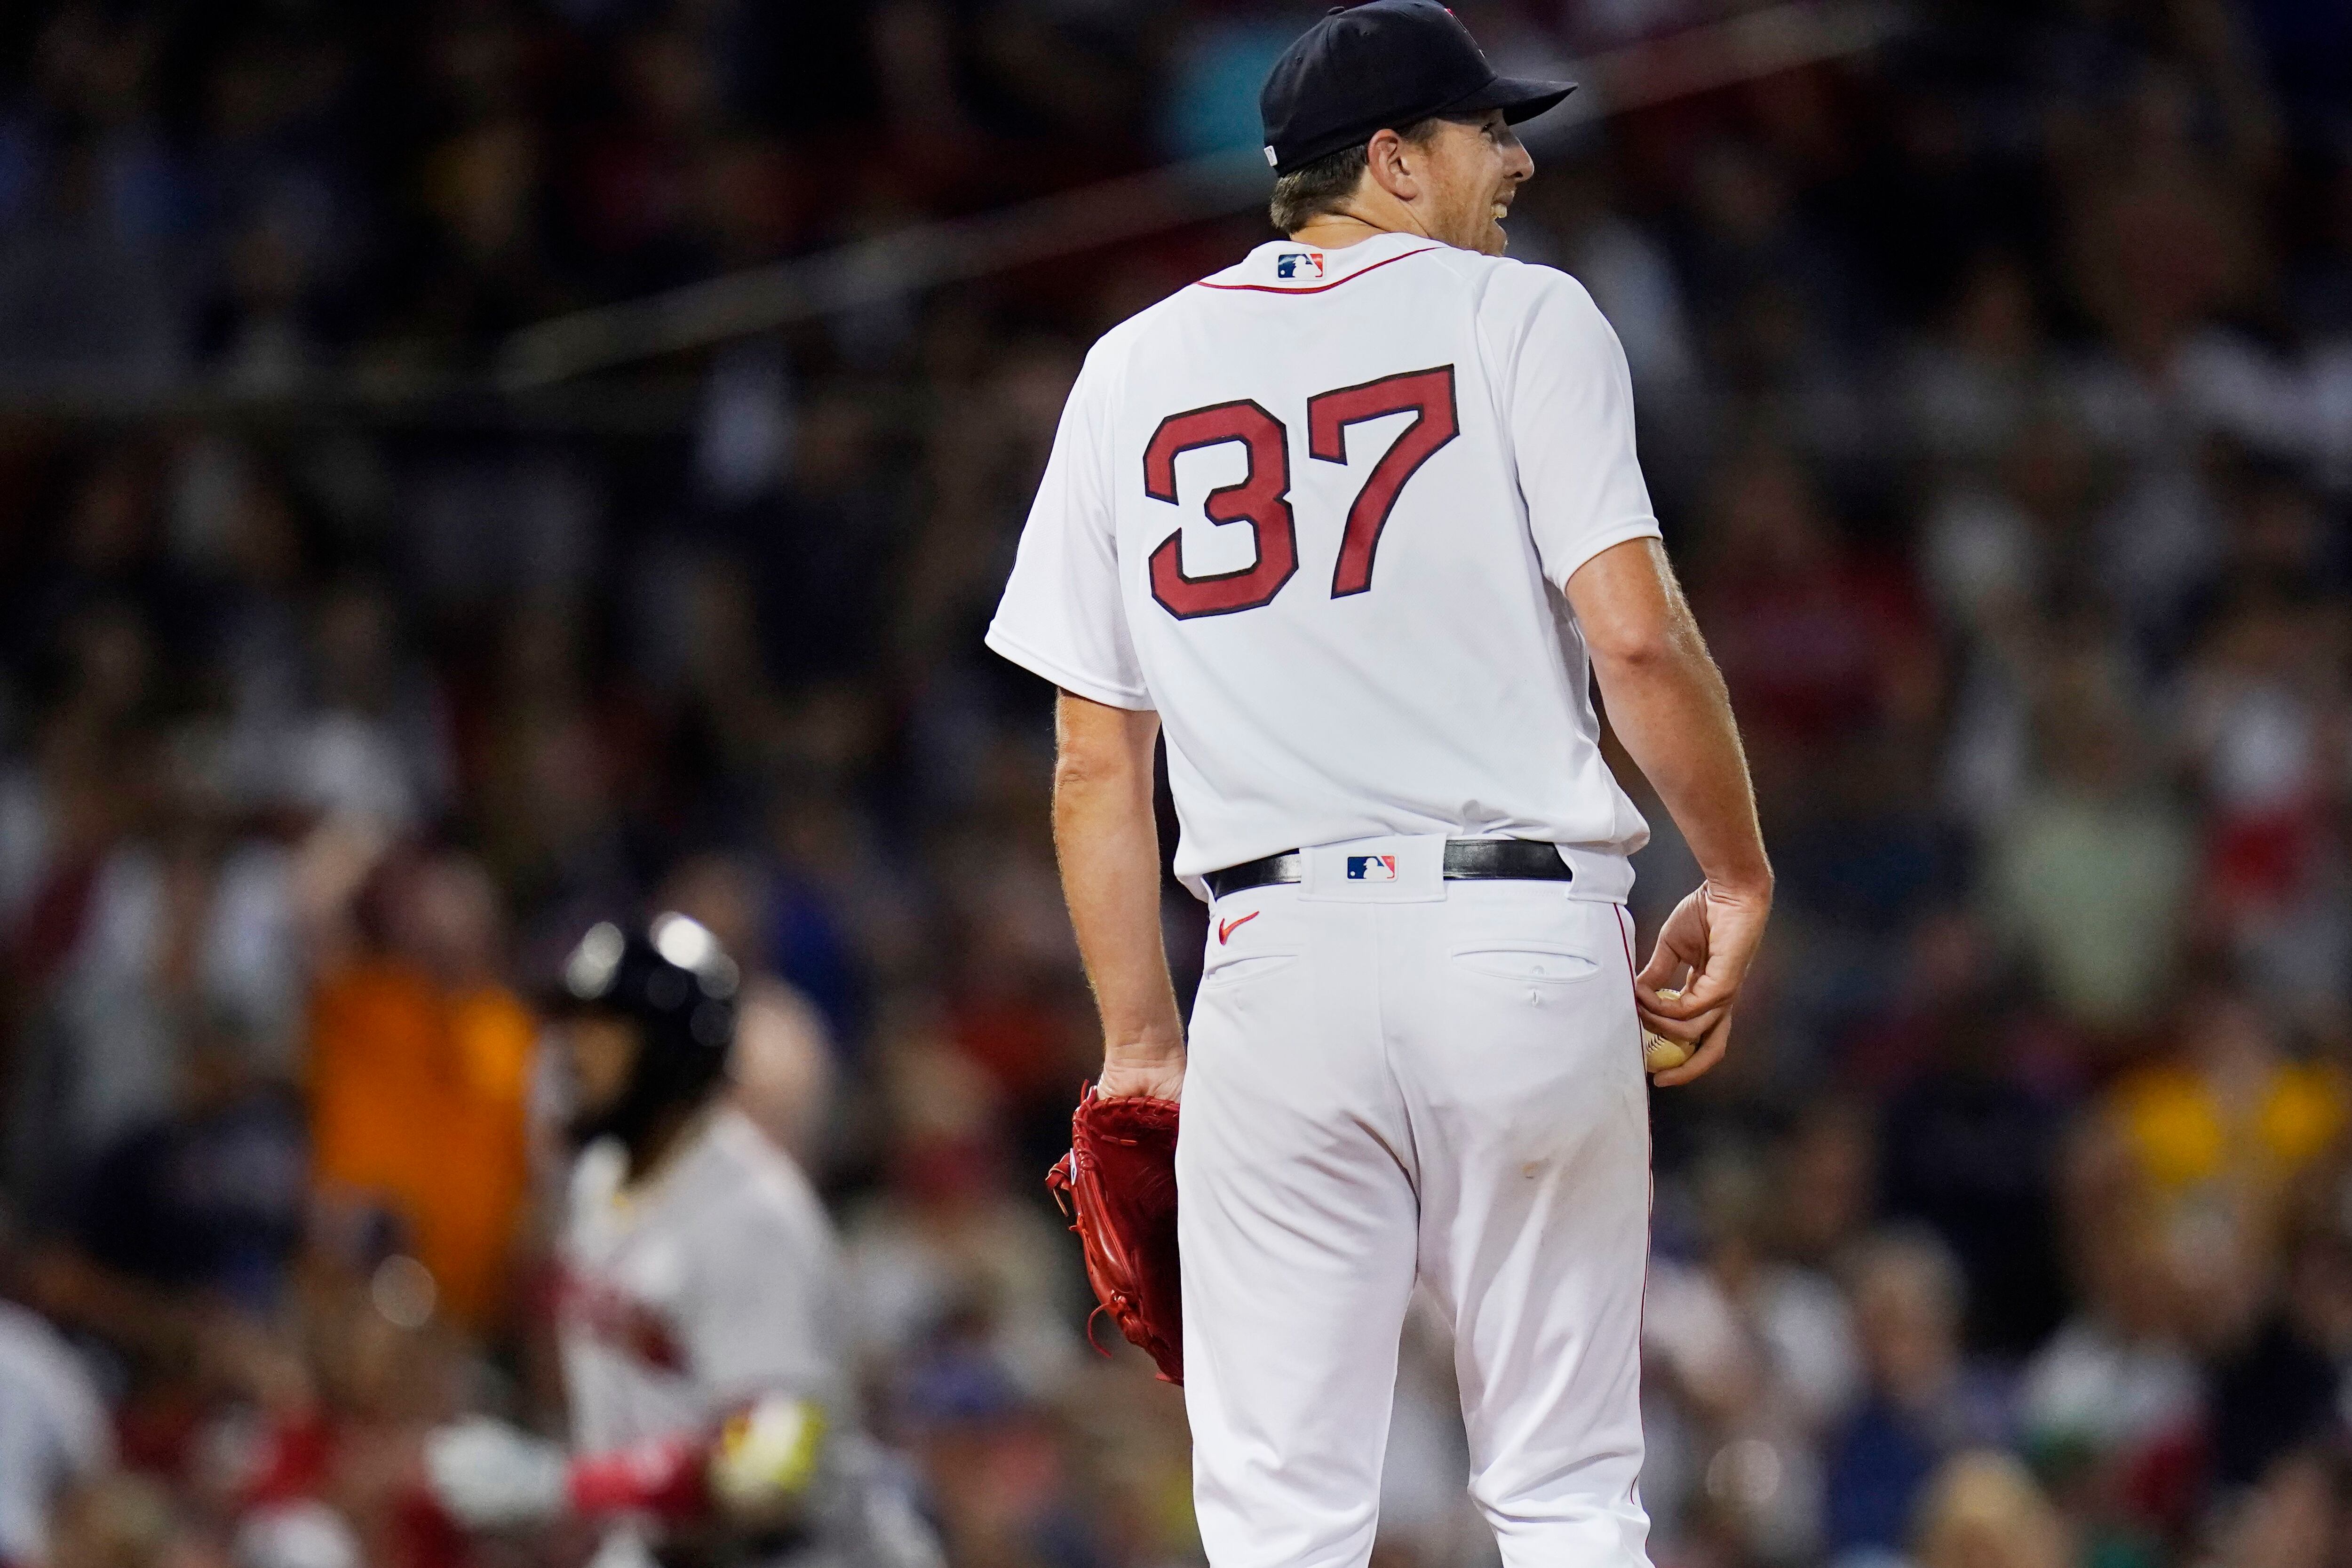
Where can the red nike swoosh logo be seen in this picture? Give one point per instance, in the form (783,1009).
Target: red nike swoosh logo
(1225,929)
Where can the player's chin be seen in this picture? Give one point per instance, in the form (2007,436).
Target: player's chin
(1496,241)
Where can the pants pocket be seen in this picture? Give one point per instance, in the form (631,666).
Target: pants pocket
(1242,970)
(1529,962)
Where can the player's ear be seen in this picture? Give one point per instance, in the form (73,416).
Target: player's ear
(1386,160)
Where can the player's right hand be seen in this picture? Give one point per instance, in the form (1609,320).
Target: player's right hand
(764,1462)
(1712,937)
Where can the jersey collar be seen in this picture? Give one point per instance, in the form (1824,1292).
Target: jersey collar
(1287,267)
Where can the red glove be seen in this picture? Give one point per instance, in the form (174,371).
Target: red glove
(1119,1181)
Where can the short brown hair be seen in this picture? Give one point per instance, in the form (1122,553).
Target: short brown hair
(1310,191)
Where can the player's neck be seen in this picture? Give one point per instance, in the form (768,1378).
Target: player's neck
(1339,230)
(670,1134)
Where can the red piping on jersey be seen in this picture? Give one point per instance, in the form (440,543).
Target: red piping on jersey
(1320,287)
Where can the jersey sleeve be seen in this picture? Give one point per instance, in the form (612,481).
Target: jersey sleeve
(1063,615)
(1569,402)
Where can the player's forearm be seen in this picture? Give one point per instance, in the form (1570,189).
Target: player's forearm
(754,1470)
(1671,711)
(1107,839)
(1667,703)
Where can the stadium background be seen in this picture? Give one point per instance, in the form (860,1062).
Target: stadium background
(1994,363)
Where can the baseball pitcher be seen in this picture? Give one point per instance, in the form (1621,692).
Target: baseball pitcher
(1357,525)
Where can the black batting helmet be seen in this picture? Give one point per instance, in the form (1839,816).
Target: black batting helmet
(677,985)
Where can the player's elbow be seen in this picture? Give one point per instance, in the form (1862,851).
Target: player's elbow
(1100,749)
(1636,643)
(1632,611)
(1088,770)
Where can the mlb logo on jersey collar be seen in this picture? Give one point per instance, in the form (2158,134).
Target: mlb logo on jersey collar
(1298,266)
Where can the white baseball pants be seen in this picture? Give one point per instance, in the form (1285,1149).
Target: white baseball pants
(1395,1078)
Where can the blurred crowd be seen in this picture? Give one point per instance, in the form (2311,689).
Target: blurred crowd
(1995,392)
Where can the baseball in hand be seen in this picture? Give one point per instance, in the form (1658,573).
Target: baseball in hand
(1660,1054)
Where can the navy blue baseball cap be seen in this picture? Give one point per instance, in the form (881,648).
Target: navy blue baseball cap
(1386,64)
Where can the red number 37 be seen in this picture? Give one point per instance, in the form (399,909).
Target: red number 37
(1262,498)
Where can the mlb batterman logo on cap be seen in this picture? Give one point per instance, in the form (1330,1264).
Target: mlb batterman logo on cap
(1383,65)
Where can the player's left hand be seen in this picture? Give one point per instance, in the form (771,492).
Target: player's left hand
(1712,936)
(1147,1075)
(487,1475)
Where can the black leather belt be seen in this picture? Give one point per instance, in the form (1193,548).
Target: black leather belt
(1466,860)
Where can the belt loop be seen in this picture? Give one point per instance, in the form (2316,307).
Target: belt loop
(1603,875)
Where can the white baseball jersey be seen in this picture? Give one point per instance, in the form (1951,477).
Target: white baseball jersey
(1318,510)
(712,1285)
(694,1294)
